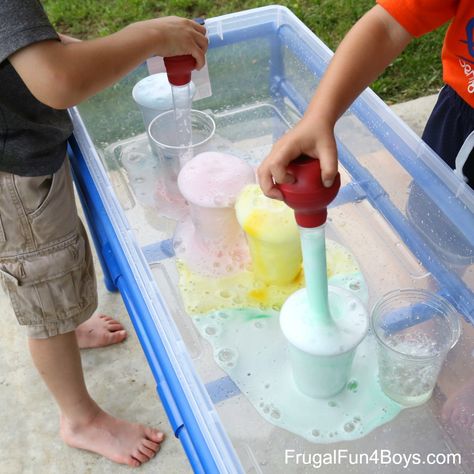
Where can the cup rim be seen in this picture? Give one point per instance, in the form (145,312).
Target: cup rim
(456,329)
(194,145)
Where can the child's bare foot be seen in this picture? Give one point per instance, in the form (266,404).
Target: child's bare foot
(458,410)
(99,331)
(115,439)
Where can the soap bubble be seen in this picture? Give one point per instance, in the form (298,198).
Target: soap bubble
(210,330)
(349,427)
(352,385)
(226,355)
(275,414)
(354,286)
(135,158)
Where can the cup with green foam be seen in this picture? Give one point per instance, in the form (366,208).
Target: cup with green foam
(323,324)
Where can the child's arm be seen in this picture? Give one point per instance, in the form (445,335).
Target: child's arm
(369,47)
(65,39)
(63,74)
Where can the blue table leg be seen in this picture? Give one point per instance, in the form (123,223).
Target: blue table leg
(93,228)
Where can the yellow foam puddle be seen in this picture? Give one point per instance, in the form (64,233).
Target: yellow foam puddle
(203,294)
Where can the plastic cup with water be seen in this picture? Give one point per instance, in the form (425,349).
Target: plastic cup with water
(171,154)
(415,329)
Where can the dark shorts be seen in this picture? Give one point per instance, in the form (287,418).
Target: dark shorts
(46,264)
(450,123)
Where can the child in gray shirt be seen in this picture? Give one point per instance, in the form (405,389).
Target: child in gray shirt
(45,258)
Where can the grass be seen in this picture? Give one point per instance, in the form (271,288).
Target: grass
(416,73)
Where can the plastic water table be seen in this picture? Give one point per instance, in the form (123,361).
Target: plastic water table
(407,219)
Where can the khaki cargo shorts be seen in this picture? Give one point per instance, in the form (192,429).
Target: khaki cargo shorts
(46,263)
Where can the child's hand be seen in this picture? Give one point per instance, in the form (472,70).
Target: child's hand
(178,36)
(309,137)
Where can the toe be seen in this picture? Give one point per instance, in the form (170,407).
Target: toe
(154,435)
(140,456)
(149,453)
(114,326)
(108,319)
(447,411)
(131,461)
(117,336)
(151,445)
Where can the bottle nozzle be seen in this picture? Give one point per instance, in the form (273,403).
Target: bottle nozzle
(179,69)
(307,195)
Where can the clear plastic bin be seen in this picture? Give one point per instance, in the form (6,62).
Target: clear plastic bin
(264,65)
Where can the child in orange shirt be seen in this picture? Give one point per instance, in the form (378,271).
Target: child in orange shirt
(369,47)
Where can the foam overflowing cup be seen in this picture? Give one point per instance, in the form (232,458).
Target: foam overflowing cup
(210,240)
(272,235)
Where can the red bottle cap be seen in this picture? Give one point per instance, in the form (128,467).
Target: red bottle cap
(179,69)
(307,196)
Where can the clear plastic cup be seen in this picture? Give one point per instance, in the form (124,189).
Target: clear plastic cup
(320,376)
(415,329)
(171,156)
(153,96)
(164,140)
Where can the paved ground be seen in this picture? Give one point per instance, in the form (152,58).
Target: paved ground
(118,378)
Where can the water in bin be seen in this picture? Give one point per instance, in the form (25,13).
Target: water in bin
(308,369)
(314,355)
(323,325)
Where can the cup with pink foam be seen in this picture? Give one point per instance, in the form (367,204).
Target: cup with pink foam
(210,241)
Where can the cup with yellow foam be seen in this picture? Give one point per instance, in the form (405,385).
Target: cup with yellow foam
(272,235)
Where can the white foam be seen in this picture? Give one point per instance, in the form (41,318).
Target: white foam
(303,330)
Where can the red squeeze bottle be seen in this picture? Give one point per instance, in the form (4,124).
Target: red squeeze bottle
(179,69)
(307,196)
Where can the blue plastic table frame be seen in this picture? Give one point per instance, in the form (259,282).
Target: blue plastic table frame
(203,437)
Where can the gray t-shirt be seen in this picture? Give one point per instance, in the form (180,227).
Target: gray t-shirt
(32,135)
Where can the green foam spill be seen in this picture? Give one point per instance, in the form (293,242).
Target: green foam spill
(249,346)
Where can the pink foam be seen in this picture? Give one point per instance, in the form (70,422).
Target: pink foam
(213,179)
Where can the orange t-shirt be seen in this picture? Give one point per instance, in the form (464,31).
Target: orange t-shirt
(421,16)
